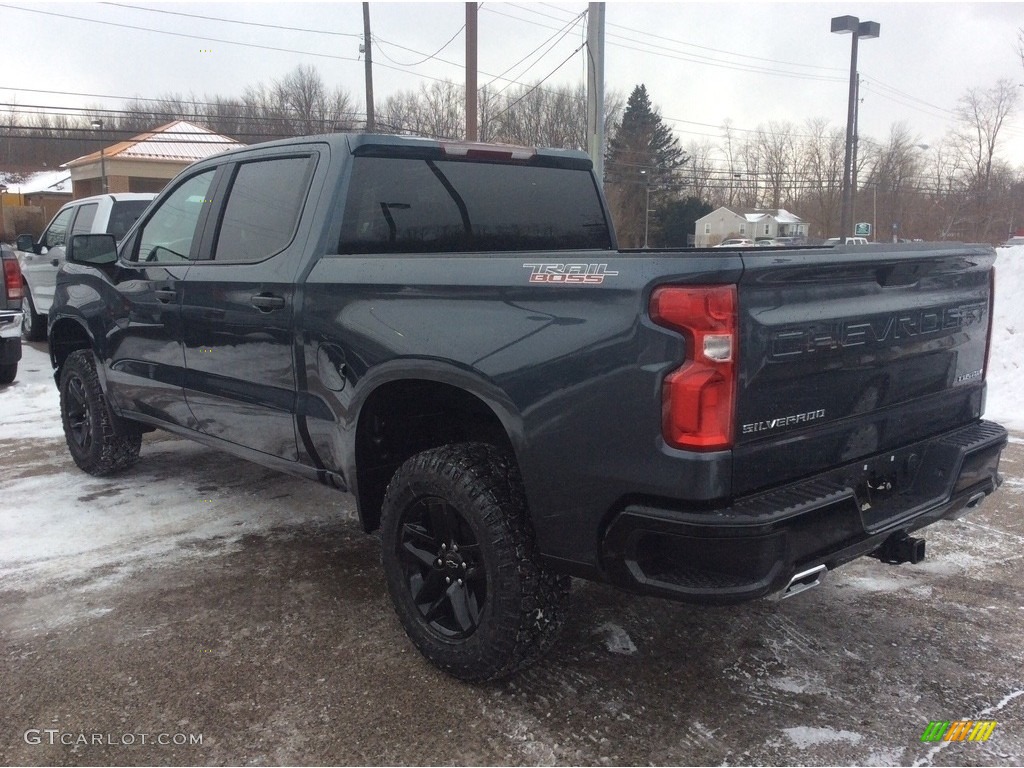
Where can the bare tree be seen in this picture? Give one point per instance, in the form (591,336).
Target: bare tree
(981,114)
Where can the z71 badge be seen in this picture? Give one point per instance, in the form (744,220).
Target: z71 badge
(569,274)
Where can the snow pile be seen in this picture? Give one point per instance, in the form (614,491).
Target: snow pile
(1006,358)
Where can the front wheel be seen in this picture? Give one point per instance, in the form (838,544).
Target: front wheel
(100,442)
(461,563)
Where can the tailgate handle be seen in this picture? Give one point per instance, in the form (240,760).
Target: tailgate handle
(267,302)
(165,295)
(900,274)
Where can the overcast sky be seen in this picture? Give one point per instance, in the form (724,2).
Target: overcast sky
(702,63)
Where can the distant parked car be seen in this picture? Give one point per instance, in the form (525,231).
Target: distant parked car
(766,242)
(1013,241)
(848,241)
(736,242)
(110,214)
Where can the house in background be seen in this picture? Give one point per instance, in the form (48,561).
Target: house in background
(26,205)
(145,163)
(752,223)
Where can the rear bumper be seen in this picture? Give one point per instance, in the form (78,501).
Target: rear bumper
(10,336)
(755,546)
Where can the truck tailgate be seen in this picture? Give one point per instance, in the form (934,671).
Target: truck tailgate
(846,353)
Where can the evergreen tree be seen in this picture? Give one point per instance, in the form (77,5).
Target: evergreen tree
(643,155)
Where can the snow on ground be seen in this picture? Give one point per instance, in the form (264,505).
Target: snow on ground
(1006,359)
(156,512)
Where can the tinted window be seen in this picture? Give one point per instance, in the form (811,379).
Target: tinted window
(56,233)
(123,215)
(263,208)
(84,219)
(437,206)
(168,234)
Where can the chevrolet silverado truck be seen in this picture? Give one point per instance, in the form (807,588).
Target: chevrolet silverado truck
(110,213)
(10,316)
(449,333)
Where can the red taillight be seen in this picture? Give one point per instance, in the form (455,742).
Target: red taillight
(698,398)
(12,279)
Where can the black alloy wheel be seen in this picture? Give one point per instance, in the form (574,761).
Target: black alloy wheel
(462,566)
(441,561)
(99,440)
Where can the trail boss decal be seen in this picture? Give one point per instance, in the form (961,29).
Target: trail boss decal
(569,274)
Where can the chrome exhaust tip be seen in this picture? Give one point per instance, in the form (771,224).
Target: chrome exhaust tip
(802,581)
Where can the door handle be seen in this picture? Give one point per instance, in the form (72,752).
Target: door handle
(165,295)
(267,302)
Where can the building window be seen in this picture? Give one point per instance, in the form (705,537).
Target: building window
(743,229)
(707,229)
(766,228)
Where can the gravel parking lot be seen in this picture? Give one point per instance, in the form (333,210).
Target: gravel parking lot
(202,610)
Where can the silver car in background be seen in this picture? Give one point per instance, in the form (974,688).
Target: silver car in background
(110,214)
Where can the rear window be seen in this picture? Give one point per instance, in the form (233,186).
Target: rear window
(432,206)
(123,214)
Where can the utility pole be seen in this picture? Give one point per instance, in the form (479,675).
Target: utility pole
(471,108)
(370,123)
(595,87)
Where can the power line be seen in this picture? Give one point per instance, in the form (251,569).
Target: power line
(425,59)
(237,21)
(534,88)
(567,27)
(179,34)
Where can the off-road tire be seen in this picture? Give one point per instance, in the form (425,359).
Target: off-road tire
(8,372)
(33,325)
(511,607)
(100,442)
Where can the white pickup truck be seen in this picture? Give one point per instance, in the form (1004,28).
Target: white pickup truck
(110,214)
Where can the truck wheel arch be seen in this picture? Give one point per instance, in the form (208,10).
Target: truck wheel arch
(402,417)
(66,335)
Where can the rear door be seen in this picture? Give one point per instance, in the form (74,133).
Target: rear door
(847,353)
(239,301)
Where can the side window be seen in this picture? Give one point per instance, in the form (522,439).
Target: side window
(263,208)
(168,234)
(56,233)
(707,229)
(84,219)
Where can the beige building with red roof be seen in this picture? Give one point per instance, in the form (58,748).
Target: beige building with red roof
(145,163)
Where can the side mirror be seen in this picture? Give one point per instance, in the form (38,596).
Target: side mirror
(25,242)
(94,250)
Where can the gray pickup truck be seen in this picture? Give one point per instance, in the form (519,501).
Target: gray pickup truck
(449,332)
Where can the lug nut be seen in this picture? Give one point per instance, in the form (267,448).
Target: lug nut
(440,561)
(447,579)
(460,582)
(463,566)
(455,547)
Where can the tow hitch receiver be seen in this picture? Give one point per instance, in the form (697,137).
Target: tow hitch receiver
(900,548)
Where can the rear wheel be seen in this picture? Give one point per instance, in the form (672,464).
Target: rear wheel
(100,442)
(462,566)
(33,325)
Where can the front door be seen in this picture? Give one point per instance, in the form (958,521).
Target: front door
(147,365)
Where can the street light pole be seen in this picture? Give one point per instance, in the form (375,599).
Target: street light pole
(858,29)
(98,125)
